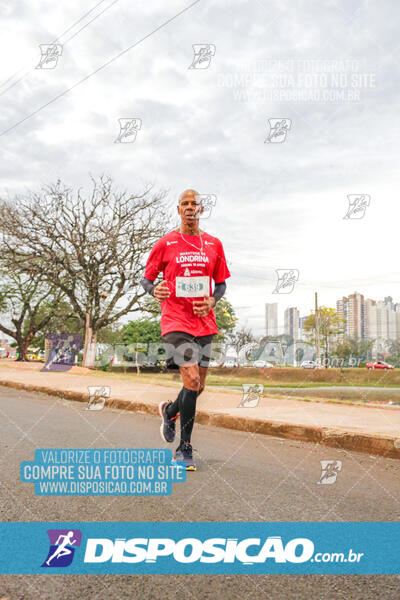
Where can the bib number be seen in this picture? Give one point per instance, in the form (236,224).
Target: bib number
(192,287)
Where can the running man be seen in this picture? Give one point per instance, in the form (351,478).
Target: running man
(62,550)
(189,259)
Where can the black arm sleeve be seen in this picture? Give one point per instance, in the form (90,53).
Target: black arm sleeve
(147,285)
(219,291)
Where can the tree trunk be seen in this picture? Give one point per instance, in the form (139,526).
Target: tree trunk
(22,348)
(137,353)
(90,352)
(87,338)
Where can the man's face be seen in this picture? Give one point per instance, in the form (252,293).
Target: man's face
(190,208)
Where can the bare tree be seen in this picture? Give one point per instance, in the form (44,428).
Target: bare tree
(240,338)
(91,248)
(27,305)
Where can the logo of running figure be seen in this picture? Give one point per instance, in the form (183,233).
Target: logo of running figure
(63,543)
(286,280)
(128,129)
(97,397)
(329,471)
(357,205)
(50,55)
(278,129)
(207,202)
(203,54)
(63,347)
(251,395)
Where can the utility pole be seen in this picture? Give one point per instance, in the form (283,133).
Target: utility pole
(317,358)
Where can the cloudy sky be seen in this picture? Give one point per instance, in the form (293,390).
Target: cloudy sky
(331,69)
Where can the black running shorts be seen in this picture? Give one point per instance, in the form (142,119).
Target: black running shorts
(183,348)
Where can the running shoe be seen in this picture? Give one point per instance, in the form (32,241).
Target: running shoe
(167,428)
(184,452)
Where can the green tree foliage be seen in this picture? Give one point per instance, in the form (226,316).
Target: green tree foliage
(354,348)
(394,349)
(142,331)
(62,320)
(330,325)
(111,334)
(225,317)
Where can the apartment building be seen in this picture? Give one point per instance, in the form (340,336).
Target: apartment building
(352,309)
(291,322)
(271,318)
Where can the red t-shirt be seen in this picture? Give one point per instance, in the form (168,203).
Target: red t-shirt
(180,256)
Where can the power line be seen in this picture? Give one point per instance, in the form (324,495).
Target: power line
(78,21)
(98,69)
(15,82)
(11,76)
(56,40)
(88,23)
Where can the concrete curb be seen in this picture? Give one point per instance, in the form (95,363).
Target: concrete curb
(338,438)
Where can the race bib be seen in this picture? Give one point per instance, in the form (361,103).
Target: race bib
(192,287)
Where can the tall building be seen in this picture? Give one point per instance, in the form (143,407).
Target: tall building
(391,324)
(397,311)
(291,322)
(382,313)
(352,309)
(302,333)
(371,323)
(380,321)
(271,318)
(371,319)
(389,301)
(392,330)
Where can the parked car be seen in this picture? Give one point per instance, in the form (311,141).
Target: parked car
(150,362)
(245,363)
(34,354)
(308,364)
(230,363)
(262,364)
(379,364)
(216,363)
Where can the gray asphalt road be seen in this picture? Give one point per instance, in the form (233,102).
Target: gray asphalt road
(240,477)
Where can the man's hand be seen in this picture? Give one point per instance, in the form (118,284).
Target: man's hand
(201,308)
(161,291)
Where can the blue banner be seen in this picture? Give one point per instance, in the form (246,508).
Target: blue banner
(102,472)
(200,548)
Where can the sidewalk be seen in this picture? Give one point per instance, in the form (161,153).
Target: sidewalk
(352,427)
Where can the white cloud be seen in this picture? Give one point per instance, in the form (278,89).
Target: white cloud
(279,205)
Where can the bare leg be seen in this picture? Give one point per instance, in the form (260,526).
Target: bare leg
(190,376)
(203,375)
